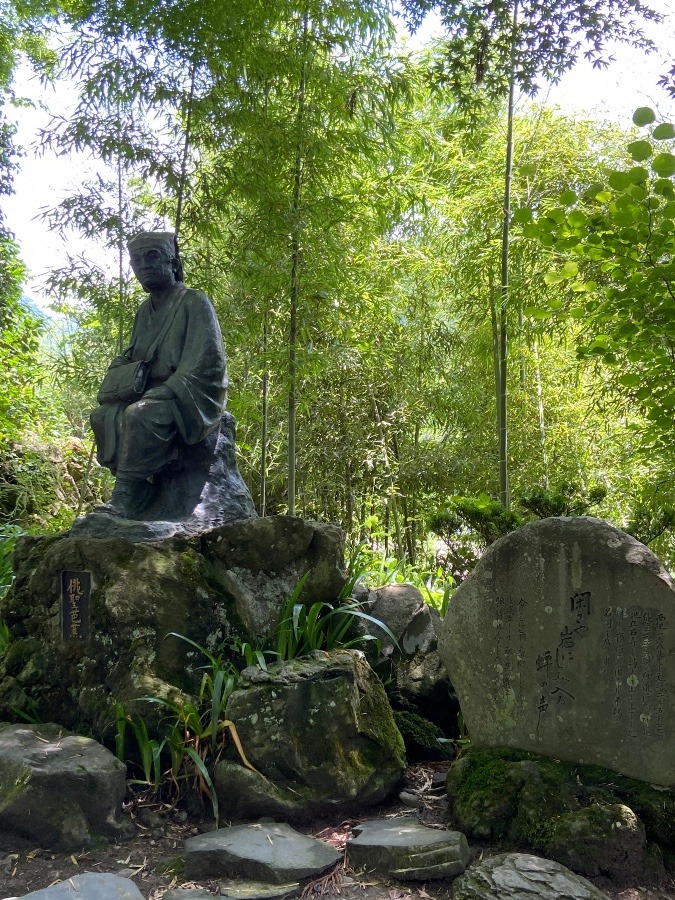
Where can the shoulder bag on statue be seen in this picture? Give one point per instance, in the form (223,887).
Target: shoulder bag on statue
(126,382)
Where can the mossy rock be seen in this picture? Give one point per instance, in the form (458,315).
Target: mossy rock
(321,732)
(585,817)
(424,741)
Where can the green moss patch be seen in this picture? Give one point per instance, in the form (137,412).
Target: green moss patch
(530,801)
(424,741)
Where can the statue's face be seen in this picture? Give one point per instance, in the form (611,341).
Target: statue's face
(153,267)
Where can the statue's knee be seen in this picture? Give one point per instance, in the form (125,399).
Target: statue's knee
(133,413)
(138,415)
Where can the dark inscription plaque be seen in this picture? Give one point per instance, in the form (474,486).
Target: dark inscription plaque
(75,595)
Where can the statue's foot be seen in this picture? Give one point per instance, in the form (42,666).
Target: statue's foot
(109,510)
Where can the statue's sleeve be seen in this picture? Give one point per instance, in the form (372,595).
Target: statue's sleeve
(126,356)
(200,379)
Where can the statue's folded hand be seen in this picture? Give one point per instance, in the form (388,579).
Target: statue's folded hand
(161,392)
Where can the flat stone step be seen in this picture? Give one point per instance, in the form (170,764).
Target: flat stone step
(238,890)
(273,853)
(89,886)
(258,890)
(407,850)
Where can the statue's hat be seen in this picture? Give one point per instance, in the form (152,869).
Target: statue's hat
(166,240)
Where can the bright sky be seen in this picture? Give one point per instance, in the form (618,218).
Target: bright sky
(612,94)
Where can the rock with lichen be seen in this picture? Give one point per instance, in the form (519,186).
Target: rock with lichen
(58,790)
(226,585)
(519,876)
(598,823)
(320,733)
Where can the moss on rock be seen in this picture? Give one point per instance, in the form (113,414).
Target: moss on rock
(424,741)
(590,819)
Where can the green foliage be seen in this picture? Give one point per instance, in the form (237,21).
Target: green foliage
(651,518)
(615,245)
(195,733)
(321,626)
(4,636)
(485,44)
(486,518)
(19,327)
(424,741)
(8,536)
(568,499)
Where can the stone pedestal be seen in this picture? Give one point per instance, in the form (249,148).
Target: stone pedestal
(101,632)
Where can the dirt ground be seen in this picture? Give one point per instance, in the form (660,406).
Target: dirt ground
(152,857)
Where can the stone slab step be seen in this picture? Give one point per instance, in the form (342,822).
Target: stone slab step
(408,850)
(273,853)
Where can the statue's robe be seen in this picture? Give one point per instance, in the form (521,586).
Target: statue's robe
(143,438)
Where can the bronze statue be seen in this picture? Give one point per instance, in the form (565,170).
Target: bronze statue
(167,391)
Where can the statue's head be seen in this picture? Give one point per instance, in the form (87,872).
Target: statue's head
(154,259)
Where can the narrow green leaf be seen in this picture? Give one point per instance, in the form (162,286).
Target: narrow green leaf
(204,772)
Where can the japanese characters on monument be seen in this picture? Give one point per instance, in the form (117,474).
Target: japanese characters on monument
(75,596)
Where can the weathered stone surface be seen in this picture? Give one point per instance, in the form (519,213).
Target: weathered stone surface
(517,876)
(237,890)
(258,890)
(58,790)
(140,593)
(320,730)
(587,818)
(601,839)
(89,886)
(205,492)
(273,853)
(262,560)
(407,850)
(562,641)
(396,605)
(188,894)
(415,678)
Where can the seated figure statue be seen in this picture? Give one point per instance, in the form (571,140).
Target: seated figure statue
(181,388)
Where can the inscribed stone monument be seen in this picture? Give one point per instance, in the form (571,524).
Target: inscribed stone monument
(562,642)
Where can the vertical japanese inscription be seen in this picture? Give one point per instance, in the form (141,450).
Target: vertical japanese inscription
(75,596)
(555,666)
(634,638)
(508,618)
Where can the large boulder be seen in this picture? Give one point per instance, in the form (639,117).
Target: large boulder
(127,597)
(260,561)
(322,734)
(58,790)
(562,641)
